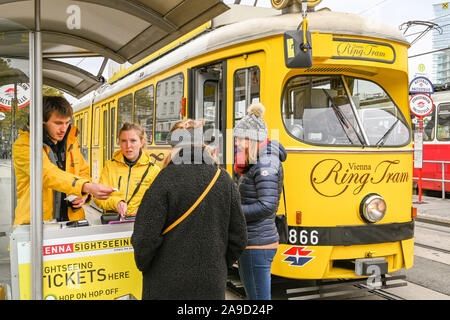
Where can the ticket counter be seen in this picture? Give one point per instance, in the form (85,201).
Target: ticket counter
(79,263)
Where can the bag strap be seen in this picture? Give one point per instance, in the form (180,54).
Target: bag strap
(139,185)
(195,204)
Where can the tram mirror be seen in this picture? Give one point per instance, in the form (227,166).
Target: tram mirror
(294,55)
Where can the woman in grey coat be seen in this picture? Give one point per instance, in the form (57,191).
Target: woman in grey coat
(191,260)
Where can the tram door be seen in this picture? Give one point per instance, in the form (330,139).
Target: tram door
(208,97)
(109,130)
(104,134)
(82,123)
(244,77)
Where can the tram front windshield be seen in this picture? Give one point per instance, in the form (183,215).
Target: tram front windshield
(342,111)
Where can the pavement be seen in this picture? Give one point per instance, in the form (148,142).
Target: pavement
(432,209)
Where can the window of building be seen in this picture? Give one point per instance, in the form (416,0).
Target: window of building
(143,110)
(124,107)
(165,115)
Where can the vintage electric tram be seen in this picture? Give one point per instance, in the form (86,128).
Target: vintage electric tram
(436,144)
(344,121)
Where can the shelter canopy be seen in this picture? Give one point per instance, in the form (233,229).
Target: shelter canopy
(114,29)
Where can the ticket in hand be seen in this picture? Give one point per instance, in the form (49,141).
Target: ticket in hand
(70,197)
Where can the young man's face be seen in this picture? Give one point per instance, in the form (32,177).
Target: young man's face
(57,126)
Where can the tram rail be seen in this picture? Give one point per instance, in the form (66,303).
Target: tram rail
(295,289)
(426,246)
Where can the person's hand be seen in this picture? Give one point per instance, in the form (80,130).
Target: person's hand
(78,202)
(99,191)
(122,208)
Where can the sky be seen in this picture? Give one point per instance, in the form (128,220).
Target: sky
(394,12)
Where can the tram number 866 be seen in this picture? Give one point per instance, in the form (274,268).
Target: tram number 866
(303,236)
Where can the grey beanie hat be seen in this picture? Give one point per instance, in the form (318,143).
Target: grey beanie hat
(252,125)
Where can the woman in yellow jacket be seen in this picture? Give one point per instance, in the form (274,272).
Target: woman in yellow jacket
(130,170)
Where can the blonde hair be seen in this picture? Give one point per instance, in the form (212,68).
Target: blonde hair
(189,124)
(251,156)
(127,126)
(257,108)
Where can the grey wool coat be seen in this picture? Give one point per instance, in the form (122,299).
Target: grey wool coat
(190,261)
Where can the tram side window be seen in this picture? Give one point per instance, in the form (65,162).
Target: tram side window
(79,125)
(96,126)
(246,90)
(85,129)
(168,106)
(143,110)
(124,106)
(428,125)
(210,102)
(113,131)
(443,122)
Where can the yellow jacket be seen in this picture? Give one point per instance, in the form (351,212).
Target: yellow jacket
(69,182)
(117,174)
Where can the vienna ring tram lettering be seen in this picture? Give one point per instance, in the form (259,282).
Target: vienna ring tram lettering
(331,177)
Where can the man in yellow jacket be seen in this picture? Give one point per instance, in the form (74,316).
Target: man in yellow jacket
(64,170)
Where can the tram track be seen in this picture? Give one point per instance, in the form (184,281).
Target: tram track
(384,294)
(338,289)
(426,246)
(433,228)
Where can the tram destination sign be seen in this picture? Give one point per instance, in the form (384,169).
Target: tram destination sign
(420,105)
(421,85)
(354,49)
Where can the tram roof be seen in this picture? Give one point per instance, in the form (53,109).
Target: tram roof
(118,30)
(228,33)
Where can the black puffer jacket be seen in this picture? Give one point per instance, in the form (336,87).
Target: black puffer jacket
(191,260)
(260,188)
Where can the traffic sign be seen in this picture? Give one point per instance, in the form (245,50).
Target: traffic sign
(421,85)
(420,105)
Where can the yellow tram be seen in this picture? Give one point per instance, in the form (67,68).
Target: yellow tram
(344,122)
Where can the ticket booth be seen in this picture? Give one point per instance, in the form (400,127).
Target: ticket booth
(38,41)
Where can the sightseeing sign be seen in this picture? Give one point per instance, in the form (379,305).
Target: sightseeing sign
(420,105)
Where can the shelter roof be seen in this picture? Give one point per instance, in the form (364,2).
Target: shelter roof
(118,30)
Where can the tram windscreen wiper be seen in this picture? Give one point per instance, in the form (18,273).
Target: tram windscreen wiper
(342,119)
(383,139)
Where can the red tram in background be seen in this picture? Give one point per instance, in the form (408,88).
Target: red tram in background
(436,143)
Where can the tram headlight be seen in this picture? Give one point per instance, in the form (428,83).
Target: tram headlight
(372,208)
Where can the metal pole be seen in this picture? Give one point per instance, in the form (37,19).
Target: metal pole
(443,179)
(36,231)
(420,169)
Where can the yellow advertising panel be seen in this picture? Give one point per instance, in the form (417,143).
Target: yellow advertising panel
(91,267)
